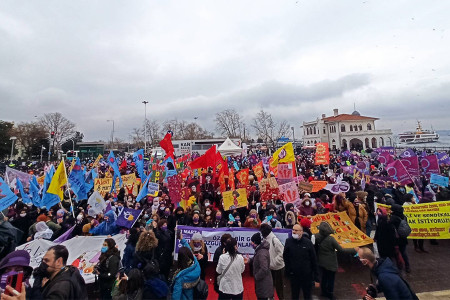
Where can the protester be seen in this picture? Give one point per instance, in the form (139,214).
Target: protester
(230,268)
(145,249)
(277,263)
(107,267)
(131,286)
(261,268)
(301,264)
(200,251)
(390,283)
(401,242)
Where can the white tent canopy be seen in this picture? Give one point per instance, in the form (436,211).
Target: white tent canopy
(229,148)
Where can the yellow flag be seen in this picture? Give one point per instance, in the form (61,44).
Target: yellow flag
(58,181)
(283,155)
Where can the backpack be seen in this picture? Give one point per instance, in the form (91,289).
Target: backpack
(403,229)
(201,290)
(148,263)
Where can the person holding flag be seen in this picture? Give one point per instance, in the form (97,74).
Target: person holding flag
(112,162)
(59,180)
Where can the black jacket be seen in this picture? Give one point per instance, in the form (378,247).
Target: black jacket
(300,259)
(67,284)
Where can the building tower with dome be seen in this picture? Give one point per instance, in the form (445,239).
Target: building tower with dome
(346,131)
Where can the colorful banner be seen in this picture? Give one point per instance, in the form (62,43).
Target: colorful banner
(211,237)
(97,160)
(234,199)
(318,185)
(11,176)
(84,252)
(174,183)
(289,191)
(390,150)
(285,172)
(103,185)
(429,220)
(439,180)
(443,158)
(337,188)
(322,154)
(385,158)
(345,232)
(258,169)
(242,176)
(305,186)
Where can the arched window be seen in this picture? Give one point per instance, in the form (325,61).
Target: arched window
(369,126)
(374,143)
(314,129)
(351,128)
(344,144)
(366,142)
(342,128)
(381,142)
(355,127)
(360,127)
(324,131)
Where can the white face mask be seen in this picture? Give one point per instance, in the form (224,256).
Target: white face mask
(208,212)
(206,204)
(295,236)
(23,215)
(79,217)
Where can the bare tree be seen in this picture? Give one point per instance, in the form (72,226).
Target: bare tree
(153,132)
(137,136)
(30,136)
(229,123)
(60,125)
(183,130)
(268,130)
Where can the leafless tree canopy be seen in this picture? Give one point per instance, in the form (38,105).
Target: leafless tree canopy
(229,123)
(56,122)
(268,130)
(183,130)
(29,135)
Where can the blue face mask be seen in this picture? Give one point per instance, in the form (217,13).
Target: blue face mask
(104,249)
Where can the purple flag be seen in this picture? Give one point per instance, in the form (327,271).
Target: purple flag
(408,153)
(430,165)
(390,150)
(128,217)
(398,173)
(363,167)
(65,236)
(444,158)
(385,158)
(411,164)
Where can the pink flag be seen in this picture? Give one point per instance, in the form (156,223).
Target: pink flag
(385,158)
(430,165)
(411,164)
(398,173)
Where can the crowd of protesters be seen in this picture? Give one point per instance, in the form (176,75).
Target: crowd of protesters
(146,268)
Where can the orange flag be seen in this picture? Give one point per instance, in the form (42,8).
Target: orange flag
(259,170)
(242,176)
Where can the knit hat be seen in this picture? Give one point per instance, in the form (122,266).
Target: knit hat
(42,218)
(256,238)
(86,228)
(17,258)
(197,237)
(305,222)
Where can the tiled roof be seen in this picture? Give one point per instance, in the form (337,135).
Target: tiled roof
(347,117)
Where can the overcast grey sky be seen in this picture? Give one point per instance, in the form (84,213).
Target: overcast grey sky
(98,60)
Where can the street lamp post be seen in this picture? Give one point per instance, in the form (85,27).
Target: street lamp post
(145,126)
(13,138)
(112,133)
(42,150)
(293,135)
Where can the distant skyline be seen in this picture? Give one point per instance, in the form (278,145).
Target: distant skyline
(98,60)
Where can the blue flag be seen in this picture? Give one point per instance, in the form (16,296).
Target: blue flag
(128,217)
(171,170)
(113,164)
(76,180)
(7,197)
(34,191)
(144,189)
(138,158)
(48,200)
(25,197)
(34,180)
(90,178)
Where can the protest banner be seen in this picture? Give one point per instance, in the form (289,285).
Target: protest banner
(318,185)
(211,237)
(153,189)
(11,175)
(258,169)
(443,158)
(429,220)
(390,150)
(439,180)
(345,232)
(84,252)
(7,196)
(97,160)
(337,188)
(234,199)
(305,186)
(285,172)
(103,185)
(289,191)
(322,154)
(242,176)
(174,183)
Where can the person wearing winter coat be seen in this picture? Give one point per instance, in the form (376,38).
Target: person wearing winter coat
(145,249)
(261,268)
(327,257)
(231,286)
(164,250)
(301,265)
(200,251)
(186,275)
(306,210)
(396,217)
(107,267)
(108,226)
(130,247)
(342,204)
(385,235)
(290,219)
(389,280)
(276,249)
(362,215)
(253,220)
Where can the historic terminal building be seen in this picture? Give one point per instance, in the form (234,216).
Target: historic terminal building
(345,131)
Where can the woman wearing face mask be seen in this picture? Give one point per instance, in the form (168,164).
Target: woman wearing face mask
(200,251)
(107,267)
(209,216)
(180,217)
(290,219)
(22,222)
(164,250)
(80,221)
(169,217)
(230,285)
(306,209)
(196,220)
(130,247)
(252,220)
(218,220)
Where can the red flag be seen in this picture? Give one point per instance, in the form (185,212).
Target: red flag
(222,162)
(206,160)
(231,182)
(166,144)
(242,176)
(123,165)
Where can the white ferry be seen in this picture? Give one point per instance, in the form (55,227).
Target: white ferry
(419,136)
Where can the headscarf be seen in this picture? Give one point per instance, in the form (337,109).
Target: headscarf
(42,231)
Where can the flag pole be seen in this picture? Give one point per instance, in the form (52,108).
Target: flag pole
(67,180)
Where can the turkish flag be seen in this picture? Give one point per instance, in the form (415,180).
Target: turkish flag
(206,160)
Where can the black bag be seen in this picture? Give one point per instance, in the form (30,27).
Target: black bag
(201,290)
(149,263)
